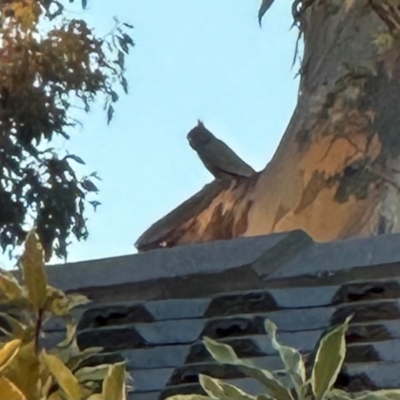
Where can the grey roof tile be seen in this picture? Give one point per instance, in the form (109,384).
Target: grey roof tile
(168,332)
(304,296)
(154,308)
(177,308)
(163,263)
(156,357)
(342,254)
(151,380)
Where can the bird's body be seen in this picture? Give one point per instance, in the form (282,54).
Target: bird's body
(216,156)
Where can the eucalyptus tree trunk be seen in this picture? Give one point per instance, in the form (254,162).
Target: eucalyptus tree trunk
(336,172)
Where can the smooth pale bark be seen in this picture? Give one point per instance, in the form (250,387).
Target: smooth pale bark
(336,171)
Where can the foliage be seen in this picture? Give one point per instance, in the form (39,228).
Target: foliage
(298,9)
(45,72)
(27,370)
(318,386)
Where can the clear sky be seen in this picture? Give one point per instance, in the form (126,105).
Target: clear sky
(194,59)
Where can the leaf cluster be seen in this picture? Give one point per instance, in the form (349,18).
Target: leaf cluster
(294,383)
(27,370)
(44,74)
(298,9)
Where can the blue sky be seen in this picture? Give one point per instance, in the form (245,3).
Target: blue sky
(194,59)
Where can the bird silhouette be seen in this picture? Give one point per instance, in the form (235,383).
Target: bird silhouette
(216,156)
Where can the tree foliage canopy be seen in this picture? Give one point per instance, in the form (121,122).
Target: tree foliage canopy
(43,72)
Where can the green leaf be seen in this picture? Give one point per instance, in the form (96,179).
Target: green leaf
(10,289)
(221,352)
(96,396)
(338,394)
(89,185)
(8,352)
(265,5)
(292,358)
(114,96)
(64,377)
(386,394)
(329,360)
(9,390)
(96,373)
(17,328)
(188,397)
(218,389)
(128,39)
(77,359)
(124,84)
(95,204)
(95,175)
(34,274)
(272,385)
(75,158)
(224,354)
(110,114)
(114,383)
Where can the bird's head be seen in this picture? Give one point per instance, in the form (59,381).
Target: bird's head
(199,136)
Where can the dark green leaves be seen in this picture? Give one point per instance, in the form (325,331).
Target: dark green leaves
(43,77)
(89,185)
(265,5)
(329,360)
(95,204)
(75,158)
(125,41)
(110,113)
(124,84)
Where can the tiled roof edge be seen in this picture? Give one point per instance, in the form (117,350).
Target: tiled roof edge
(272,257)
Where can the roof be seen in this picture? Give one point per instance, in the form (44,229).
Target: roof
(154,308)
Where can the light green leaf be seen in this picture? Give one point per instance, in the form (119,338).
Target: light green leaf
(221,352)
(34,274)
(188,397)
(96,396)
(386,394)
(272,385)
(224,354)
(218,389)
(338,394)
(114,383)
(10,289)
(97,373)
(264,397)
(75,361)
(329,360)
(8,352)
(292,358)
(63,376)
(17,328)
(9,390)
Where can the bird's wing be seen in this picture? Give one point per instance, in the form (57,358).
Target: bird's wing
(226,160)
